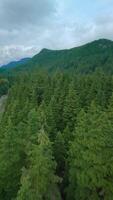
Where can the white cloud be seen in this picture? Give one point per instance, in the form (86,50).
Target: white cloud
(27,26)
(12,53)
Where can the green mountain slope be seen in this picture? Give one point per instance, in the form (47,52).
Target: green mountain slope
(83,59)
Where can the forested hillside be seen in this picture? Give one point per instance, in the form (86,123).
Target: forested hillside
(56,133)
(57,138)
(84,59)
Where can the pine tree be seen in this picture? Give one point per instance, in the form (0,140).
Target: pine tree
(90,156)
(11,162)
(60,153)
(39,181)
(71,108)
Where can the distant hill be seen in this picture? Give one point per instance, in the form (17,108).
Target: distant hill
(84,59)
(16,63)
(11,68)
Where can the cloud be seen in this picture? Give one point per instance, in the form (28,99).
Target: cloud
(17,13)
(23,24)
(27,26)
(12,53)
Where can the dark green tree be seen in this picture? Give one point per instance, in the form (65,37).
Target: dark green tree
(39,180)
(91,152)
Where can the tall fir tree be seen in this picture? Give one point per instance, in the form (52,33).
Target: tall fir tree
(90,157)
(39,181)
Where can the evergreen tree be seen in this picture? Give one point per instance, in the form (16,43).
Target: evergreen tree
(60,153)
(39,180)
(91,152)
(11,162)
(71,107)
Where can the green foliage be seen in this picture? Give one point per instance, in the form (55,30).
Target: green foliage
(11,161)
(71,107)
(60,153)
(4,86)
(90,156)
(39,180)
(50,128)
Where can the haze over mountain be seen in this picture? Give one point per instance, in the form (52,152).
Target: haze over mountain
(16,63)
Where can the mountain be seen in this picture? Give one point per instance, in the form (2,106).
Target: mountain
(84,59)
(16,63)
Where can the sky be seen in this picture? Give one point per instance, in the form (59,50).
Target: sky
(27,26)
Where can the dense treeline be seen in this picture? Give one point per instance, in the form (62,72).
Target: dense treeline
(56,138)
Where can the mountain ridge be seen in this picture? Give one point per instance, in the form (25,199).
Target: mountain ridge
(82,59)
